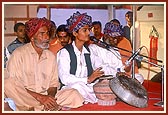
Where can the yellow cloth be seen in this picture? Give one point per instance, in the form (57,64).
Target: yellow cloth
(27,70)
(37,74)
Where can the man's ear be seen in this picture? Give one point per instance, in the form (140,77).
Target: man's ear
(75,34)
(15,33)
(31,39)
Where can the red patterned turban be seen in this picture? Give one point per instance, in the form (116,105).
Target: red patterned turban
(78,20)
(34,24)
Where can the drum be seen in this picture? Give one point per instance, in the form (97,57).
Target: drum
(129,90)
(103,92)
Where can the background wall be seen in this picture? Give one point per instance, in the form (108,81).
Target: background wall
(60,15)
(147,17)
(14,14)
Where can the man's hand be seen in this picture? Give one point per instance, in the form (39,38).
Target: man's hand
(96,74)
(49,102)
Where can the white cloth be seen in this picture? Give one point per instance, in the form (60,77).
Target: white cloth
(11,103)
(79,80)
(7,53)
(110,59)
(139,77)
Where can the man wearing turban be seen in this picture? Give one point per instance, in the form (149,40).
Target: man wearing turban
(33,79)
(76,69)
(110,57)
(111,63)
(115,59)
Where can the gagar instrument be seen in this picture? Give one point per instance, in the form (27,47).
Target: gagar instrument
(129,90)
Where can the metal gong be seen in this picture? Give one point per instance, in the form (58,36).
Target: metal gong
(129,90)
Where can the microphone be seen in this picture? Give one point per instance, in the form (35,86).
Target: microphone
(99,42)
(127,62)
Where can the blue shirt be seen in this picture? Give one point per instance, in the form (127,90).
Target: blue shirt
(12,46)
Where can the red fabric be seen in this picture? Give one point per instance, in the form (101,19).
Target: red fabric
(34,24)
(77,21)
(153,89)
(153,49)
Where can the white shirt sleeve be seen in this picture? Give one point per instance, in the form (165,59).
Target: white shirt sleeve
(103,58)
(66,78)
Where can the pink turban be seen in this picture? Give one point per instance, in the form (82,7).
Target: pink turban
(34,24)
(78,20)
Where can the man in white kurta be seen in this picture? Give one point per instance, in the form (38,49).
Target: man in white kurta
(79,80)
(82,79)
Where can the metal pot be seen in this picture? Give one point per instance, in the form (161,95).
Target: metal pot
(129,90)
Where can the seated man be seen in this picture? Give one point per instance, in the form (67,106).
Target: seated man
(74,61)
(33,78)
(115,59)
(62,38)
(111,58)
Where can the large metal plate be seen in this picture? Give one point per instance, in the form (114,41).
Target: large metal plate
(129,90)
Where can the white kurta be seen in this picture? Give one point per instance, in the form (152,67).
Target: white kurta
(79,80)
(110,59)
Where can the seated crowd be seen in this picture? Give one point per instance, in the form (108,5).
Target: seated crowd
(58,67)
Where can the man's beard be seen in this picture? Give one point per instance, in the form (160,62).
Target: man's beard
(43,45)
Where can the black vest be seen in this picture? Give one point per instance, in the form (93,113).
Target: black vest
(73,63)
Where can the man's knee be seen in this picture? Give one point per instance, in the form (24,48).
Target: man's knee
(8,83)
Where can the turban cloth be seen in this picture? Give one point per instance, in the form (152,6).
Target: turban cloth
(77,21)
(113,30)
(34,24)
